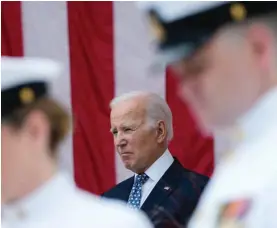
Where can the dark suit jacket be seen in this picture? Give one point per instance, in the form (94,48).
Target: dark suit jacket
(173,199)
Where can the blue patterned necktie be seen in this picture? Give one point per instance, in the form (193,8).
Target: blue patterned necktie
(136,192)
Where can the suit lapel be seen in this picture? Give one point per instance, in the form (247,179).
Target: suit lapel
(165,186)
(124,191)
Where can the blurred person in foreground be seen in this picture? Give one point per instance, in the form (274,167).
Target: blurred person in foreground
(34,193)
(224,55)
(142,128)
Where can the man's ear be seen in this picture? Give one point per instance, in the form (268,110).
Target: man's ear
(161,131)
(261,41)
(36,125)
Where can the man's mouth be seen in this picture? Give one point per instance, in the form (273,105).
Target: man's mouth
(125,153)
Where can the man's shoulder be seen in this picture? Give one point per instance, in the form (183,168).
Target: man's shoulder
(248,168)
(186,181)
(122,185)
(194,181)
(195,177)
(190,176)
(254,157)
(268,141)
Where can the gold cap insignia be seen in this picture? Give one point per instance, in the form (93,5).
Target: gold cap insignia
(26,95)
(157,29)
(238,12)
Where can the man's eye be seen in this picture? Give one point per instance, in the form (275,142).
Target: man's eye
(128,130)
(114,132)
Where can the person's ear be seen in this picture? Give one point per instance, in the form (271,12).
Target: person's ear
(261,40)
(36,125)
(161,131)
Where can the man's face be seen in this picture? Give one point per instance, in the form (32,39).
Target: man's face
(220,81)
(135,141)
(13,146)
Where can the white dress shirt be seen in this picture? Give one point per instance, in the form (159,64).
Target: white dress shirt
(243,189)
(60,204)
(155,173)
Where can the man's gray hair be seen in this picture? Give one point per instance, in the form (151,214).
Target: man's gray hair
(157,108)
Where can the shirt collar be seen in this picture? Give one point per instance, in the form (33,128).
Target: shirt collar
(253,125)
(45,196)
(160,166)
(261,117)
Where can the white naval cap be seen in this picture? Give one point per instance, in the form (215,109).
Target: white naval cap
(173,10)
(24,80)
(181,27)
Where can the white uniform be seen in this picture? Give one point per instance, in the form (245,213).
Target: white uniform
(59,204)
(243,190)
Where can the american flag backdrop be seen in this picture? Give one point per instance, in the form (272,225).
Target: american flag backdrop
(104,49)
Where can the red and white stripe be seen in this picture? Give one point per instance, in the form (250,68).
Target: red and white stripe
(104,48)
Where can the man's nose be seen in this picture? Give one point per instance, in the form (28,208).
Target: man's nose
(120,141)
